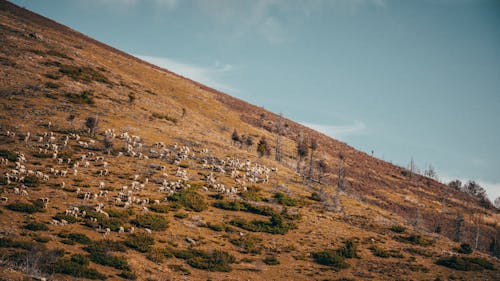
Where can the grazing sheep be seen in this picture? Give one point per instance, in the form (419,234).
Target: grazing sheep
(148,230)
(4,200)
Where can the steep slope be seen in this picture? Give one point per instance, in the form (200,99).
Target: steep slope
(160,136)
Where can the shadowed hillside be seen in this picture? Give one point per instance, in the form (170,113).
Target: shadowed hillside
(113,168)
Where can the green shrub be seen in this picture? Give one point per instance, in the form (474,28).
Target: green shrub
(83,73)
(190,199)
(52,85)
(100,253)
(398,228)
(19,244)
(116,213)
(415,239)
(465,263)
(80,238)
(80,259)
(179,268)
(140,242)
(42,155)
(217,227)
(162,208)
(379,252)
(276,225)
(271,260)
(58,54)
(252,194)
(330,258)
(36,226)
(68,218)
(41,239)
(214,261)
(31,181)
(151,221)
(249,244)
(26,207)
(165,117)
(244,207)
(349,250)
(315,197)
(11,156)
(127,274)
(284,199)
(464,249)
(73,267)
(84,97)
(158,255)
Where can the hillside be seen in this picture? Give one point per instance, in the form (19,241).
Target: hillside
(113,168)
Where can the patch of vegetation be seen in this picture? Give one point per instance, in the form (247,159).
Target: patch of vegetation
(113,223)
(464,249)
(158,255)
(179,268)
(77,237)
(244,207)
(217,227)
(42,155)
(162,208)
(36,226)
(165,117)
(379,252)
(84,97)
(31,181)
(58,54)
(276,225)
(214,261)
(68,218)
(271,260)
(249,244)
(349,250)
(415,239)
(465,263)
(330,258)
(181,215)
(41,239)
(76,266)
(421,252)
(116,213)
(127,274)
(19,244)
(83,74)
(398,228)
(151,221)
(30,208)
(52,85)
(252,193)
(140,242)
(52,76)
(11,156)
(315,196)
(100,253)
(284,199)
(190,199)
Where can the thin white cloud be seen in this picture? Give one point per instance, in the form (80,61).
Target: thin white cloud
(205,75)
(339,131)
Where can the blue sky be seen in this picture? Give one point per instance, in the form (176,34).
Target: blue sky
(404,78)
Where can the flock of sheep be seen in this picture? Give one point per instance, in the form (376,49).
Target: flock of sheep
(165,164)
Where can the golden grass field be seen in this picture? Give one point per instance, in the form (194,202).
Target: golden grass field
(49,72)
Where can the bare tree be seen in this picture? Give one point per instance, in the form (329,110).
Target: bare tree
(457,228)
(263,148)
(411,168)
(279,146)
(477,221)
(301,150)
(341,172)
(497,203)
(430,172)
(322,169)
(91,123)
(108,143)
(455,184)
(235,137)
(313,146)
